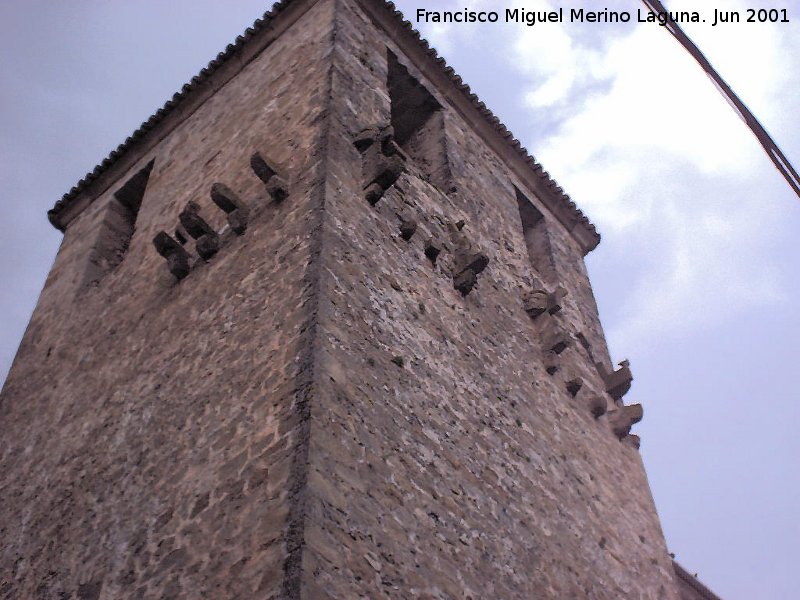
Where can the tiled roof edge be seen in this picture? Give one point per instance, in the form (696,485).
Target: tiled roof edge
(162,112)
(498,125)
(693,582)
(239,43)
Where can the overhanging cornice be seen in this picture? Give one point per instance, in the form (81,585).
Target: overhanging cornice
(263,32)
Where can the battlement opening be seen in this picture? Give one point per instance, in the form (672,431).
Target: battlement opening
(418,122)
(537,238)
(116,227)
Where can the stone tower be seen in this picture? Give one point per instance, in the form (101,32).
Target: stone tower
(321,328)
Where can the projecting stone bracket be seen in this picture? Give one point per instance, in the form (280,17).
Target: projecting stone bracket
(552,363)
(554,338)
(408,227)
(206,239)
(176,255)
(383,161)
(574,386)
(597,406)
(232,205)
(634,441)
(540,301)
(617,382)
(276,185)
(468,262)
(433,248)
(622,419)
(468,267)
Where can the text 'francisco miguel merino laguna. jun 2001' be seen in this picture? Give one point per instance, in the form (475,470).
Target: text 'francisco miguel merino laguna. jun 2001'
(581,15)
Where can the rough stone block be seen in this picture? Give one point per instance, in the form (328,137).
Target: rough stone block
(388,171)
(622,419)
(373,193)
(551,364)
(473,261)
(555,300)
(558,342)
(574,386)
(176,255)
(193,223)
(226,198)
(465,281)
(261,168)
(535,303)
(597,406)
(634,441)
(207,246)
(433,248)
(207,243)
(618,382)
(278,188)
(238,220)
(407,229)
(366,138)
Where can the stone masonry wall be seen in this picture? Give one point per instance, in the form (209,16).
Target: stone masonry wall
(151,431)
(345,400)
(445,461)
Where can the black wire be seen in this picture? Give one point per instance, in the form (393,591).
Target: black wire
(770,147)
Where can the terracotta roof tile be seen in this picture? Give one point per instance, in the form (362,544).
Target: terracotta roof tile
(241,40)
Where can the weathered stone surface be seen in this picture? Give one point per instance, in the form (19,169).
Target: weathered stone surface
(536,303)
(618,382)
(237,219)
(226,198)
(177,257)
(408,227)
(366,138)
(278,188)
(632,440)
(465,281)
(169,421)
(622,419)
(597,406)
(207,240)
(373,193)
(193,223)
(574,386)
(433,248)
(262,168)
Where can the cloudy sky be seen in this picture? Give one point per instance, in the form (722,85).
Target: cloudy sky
(696,278)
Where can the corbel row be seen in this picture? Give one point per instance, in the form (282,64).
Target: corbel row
(191,224)
(383,162)
(544,308)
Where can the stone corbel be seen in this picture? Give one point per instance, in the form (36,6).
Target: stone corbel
(540,301)
(622,419)
(176,255)
(276,186)
(206,239)
(232,205)
(597,406)
(634,441)
(617,382)
(382,159)
(433,248)
(554,338)
(574,386)
(468,262)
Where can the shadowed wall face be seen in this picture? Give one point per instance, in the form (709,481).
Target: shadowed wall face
(148,425)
